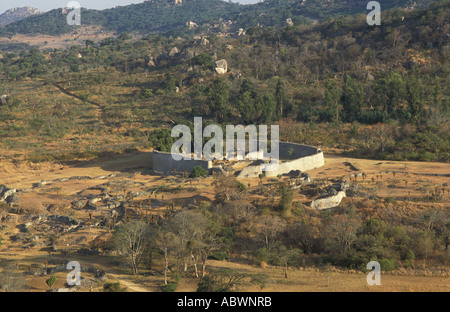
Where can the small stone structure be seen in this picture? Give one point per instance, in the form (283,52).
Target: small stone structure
(328,202)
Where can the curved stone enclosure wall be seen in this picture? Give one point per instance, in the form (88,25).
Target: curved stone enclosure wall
(163,162)
(292,157)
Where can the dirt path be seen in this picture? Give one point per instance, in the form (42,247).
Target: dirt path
(132,287)
(100,109)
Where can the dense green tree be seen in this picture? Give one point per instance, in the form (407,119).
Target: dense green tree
(203,59)
(332,100)
(249,108)
(268,108)
(280,97)
(352,99)
(247,104)
(390,92)
(218,99)
(415,97)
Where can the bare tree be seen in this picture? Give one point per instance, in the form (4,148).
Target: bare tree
(340,233)
(304,235)
(226,188)
(268,228)
(131,241)
(166,242)
(237,213)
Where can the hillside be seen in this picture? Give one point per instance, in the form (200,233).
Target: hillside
(79,124)
(370,83)
(164,16)
(17,14)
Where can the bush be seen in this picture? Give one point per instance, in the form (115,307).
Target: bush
(220,255)
(113,287)
(51,281)
(241,186)
(198,172)
(222,281)
(390,200)
(203,59)
(146,94)
(170,287)
(387,264)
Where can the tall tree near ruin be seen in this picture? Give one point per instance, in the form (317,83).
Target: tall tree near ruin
(131,240)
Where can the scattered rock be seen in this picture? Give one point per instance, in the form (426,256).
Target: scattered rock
(10,218)
(221,67)
(63,219)
(306,177)
(149,61)
(174,52)
(13,200)
(328,202)
(4,99)
(204,42)
(6,193)
(191,25)
(61,290)
(79,204)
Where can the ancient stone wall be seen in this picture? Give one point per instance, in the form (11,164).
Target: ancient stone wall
(163,162)
(293,157)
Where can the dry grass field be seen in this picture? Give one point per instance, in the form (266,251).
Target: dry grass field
(56,196)
(46,42)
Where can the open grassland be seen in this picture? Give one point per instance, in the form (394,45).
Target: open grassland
(395,200)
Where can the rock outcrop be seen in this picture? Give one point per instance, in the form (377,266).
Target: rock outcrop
(174,52)
(221,67)
(328,202)
(150,61)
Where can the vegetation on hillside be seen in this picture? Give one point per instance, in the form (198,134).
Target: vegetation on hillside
(163,16)
(283,234)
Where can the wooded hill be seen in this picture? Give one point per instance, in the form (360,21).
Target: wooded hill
(372,91)
(162,16)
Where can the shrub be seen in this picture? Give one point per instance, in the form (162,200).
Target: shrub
(113,287)
(220,255)
(390,200)
(146,93)
(170,287)
(198,172)
(285,203)
(203,59)
(221,281)
(241,186)
(387,264)
(51,281)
